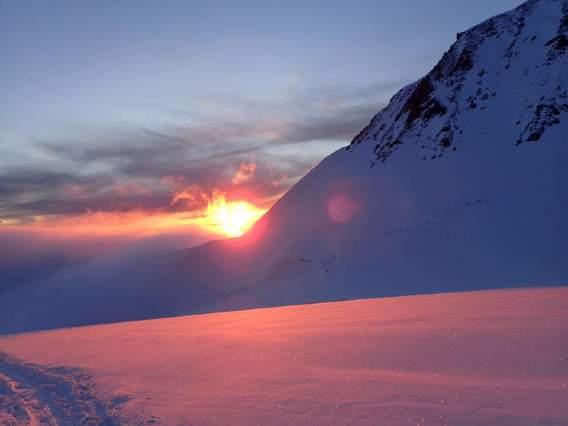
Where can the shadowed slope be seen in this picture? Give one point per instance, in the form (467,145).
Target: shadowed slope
(458,184)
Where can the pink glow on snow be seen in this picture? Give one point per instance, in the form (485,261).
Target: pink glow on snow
(484,358)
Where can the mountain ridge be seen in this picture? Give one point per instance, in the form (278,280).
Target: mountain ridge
(420,103)
(448,189)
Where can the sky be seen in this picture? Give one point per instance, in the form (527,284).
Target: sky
(157,118)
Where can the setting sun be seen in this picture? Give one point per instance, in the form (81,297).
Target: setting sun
(233,218)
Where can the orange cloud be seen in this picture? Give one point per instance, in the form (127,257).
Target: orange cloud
(245,173)
(137,223)
(217,213)
(193,209)
(193,197)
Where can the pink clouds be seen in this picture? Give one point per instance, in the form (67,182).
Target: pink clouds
(245,173)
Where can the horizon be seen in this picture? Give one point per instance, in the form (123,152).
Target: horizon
(117,131)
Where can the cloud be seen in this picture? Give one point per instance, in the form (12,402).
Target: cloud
(245,173)
(141,169)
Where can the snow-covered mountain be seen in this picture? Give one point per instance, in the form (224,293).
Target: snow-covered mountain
(459,183)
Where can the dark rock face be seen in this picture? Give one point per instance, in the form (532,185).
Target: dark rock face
(545,115)
(422,104)
(558,46)
(464,62)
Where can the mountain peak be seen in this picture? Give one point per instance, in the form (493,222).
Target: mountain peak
(474,80)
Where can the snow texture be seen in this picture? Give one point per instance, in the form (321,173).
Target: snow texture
(33,395)
(461,359)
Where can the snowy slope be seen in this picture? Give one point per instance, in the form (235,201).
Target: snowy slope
(459,183)
(484,358)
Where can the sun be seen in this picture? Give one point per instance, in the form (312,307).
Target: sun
(233,218)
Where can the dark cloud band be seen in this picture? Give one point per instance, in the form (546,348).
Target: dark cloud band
(143,168)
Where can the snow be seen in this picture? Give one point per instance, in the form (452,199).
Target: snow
(33,395)
(478,358)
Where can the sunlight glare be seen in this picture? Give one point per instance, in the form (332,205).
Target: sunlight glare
(233,218)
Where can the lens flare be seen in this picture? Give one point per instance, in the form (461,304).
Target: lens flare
(341,208)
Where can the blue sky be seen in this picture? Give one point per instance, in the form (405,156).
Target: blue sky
(99,94)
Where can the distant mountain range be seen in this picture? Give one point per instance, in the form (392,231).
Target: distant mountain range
(460,183)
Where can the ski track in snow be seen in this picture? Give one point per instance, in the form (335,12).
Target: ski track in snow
(34,395)
(18,404)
